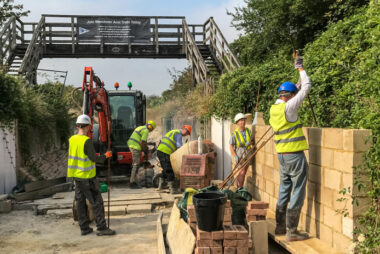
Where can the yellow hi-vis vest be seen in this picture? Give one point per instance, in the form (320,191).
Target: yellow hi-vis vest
(79,165)
(288,137)
(240,141)
(135,139)
(167,144)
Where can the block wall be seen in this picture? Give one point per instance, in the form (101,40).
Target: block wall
(332,155)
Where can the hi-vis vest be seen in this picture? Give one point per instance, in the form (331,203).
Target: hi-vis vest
(168,144)
(240,141)
(135,139)
(288,137)
(79,165)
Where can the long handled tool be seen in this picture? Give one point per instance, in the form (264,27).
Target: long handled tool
(108,178)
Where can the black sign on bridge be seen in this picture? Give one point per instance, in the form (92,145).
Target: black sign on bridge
(114,29)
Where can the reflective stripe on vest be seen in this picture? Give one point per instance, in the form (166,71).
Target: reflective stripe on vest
(135,139)
(240,141)
(288,137)
(167,144)
(79,165)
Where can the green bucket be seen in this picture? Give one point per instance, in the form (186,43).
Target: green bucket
(103,187)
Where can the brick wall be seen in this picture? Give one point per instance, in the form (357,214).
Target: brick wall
(332,155)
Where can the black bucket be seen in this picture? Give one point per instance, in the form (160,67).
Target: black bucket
(209,209)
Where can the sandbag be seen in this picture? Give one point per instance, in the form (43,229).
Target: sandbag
(144,177)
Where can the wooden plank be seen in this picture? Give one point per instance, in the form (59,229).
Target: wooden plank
(44,184)
(160,235)
(43,193)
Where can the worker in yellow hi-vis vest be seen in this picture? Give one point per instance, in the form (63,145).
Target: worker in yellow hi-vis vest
(81,167)
(290,144)
(137,144)
(239,144)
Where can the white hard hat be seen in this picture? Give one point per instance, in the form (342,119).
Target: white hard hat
(239,116)
(83,119)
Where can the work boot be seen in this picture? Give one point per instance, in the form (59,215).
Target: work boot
(172,188)
(280,220)
(106,231)
(134,186)
(86,231)
(292,234)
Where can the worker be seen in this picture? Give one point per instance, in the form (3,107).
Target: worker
(81,167)
(136,144)
(290,144)
(239,144)
(168,144)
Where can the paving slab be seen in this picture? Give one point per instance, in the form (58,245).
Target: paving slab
(61,213)
(143,208)
(5,206)
(115,210)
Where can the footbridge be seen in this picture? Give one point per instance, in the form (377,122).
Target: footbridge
(24,44)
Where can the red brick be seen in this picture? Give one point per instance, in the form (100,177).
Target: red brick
(202,250)
(216,243)
(203,243)
(260,218)
(257,212)
(227,211)
(251,218)
(242,232)
(227,223)
(228,204)
(229,243)
(257,205)
(229,232)
(217,235)
(229,250)
(203,235)
(227,217)
(242,250)
(216,250)
(191,210)
(242,243)
(250,244)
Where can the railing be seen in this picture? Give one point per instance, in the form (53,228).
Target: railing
(197,63)
(10,35)
(34,51)
(219,46)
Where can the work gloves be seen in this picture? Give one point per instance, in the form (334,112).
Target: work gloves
(108,154)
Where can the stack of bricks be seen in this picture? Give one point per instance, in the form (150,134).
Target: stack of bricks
(227,219)
(192,218)
(230,240)
(256,210)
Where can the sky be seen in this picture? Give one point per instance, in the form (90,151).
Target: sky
(148,75)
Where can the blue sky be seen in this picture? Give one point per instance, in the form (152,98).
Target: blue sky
(149,75)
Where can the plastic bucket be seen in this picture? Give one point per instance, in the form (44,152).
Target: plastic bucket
(209,209)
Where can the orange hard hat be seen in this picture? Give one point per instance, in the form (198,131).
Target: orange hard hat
(188,128)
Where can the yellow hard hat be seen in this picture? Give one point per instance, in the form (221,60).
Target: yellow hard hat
(152,123)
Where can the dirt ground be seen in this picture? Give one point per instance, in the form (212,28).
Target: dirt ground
(23,232)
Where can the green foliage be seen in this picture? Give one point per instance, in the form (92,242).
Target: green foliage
(182,84)
(8,9)
(153,101)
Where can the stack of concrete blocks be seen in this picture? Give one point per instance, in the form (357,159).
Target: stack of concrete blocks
(256,210)
(230,240)
(332,156)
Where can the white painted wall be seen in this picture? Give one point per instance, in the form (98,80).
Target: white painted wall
(7,161)
(220,136)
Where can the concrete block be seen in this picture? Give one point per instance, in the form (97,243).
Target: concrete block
(332,138)
(276,164)
(332,219)
(326,197)
(269,187)
(314,136)
(348,140)
(269,157)
(361,142)
(229,250)
(216,250)
(259,169)
(315,173)
(5,206)
(347,227)
(313,209)
(268,172)
(202,250)
(260,157)
(342,243)
(259,236)
(327,157)
(265,197)
(315,155)
(332,179)
(326,234)
(276,189)
(143,208)
(344,161)
(358,159)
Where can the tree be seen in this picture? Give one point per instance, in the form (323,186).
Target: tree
(8,9)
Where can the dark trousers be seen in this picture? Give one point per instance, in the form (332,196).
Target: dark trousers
(167,173)
(89,189)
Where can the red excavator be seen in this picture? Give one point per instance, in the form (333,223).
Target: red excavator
(119,113)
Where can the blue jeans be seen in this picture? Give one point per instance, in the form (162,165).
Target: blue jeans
(293,173)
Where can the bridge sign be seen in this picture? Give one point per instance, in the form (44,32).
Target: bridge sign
(97,29)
